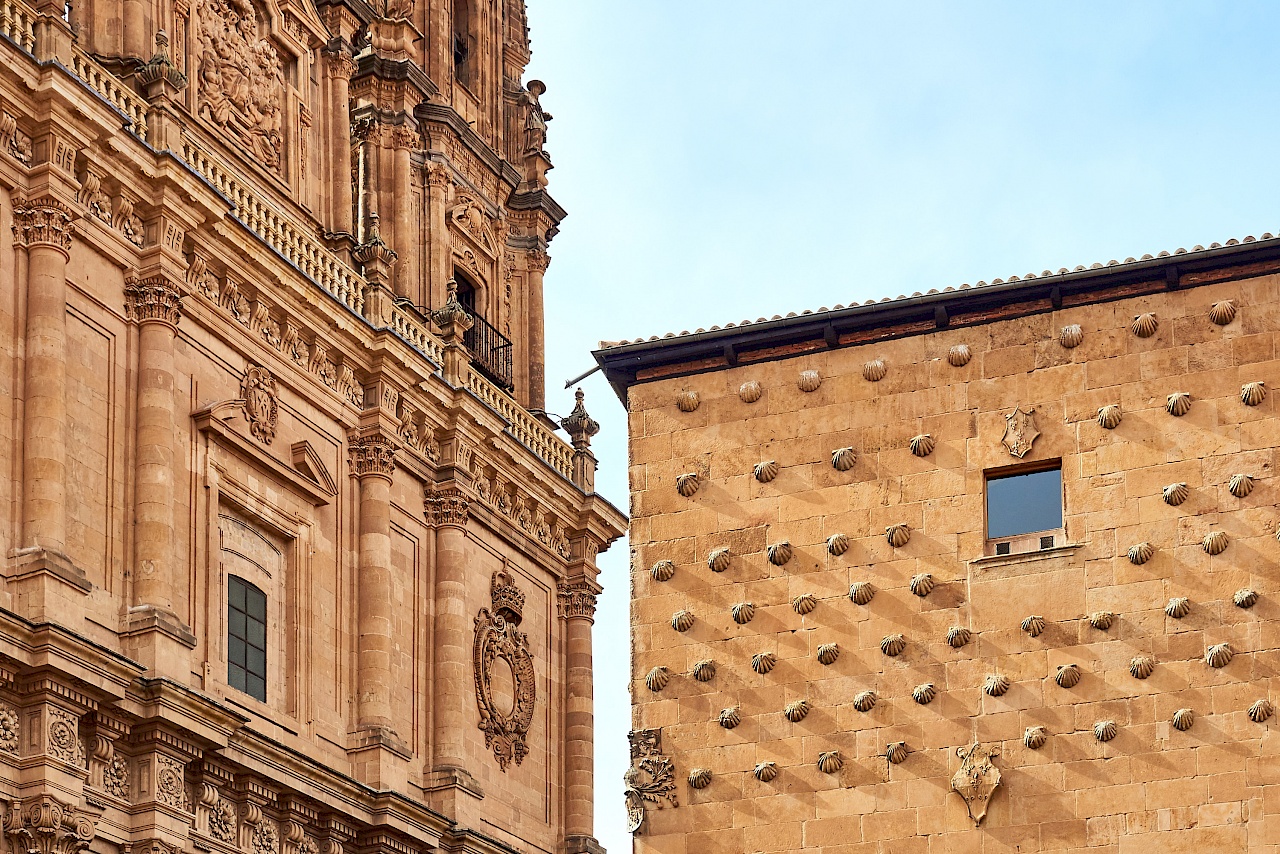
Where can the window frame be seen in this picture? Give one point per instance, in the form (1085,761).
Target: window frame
(262,622)
(1028,541)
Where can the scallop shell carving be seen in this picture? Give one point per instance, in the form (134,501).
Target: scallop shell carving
(1068,675)
(1105,730)
(730,717)
(1071,336)
(896,752)
(1241,485)
(663,570)
(657,679)
(1261,711)
(842,459)
(1033,625)
(687,484)
(897,535)
(837,544)
(865,701)
(922,585)
(1144,325)
(780,553)
(1178,403)
(1035,737)
(874,371)
(1110,416)
(766,471)
(682,621)
(893,645)
(766,772)
(830,762)
(688,401)
(1215,542)
(719,560)
(996,685)
(704,671)
(1141,553)
(1178,607)
(1175,493)
(958,636)
(763,662)
(804,604)
(828,653)
(1102,620)
(959,355)
(1222,312)
(699,778)
(1141,666)
(796,711)
(750,391)
(1251,394)
(861,592)
(1183,719)
(743,613)
(1245,598)
(924,694)
(809,381)
(922,445)
(1219,655)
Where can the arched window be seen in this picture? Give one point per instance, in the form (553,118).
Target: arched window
(464,64)
(246,638)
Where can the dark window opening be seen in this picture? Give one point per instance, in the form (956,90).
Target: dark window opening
(1024,503)
(463,63)
(491,351)
(246,638)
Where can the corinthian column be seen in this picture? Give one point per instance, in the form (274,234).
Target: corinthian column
(447,511)
(44,227)
(578,610)
(156,306)
(338,67)
(373,461)
(538,263)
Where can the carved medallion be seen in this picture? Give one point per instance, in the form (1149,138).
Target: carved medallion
(977,778)
(1020,431)
(241,84)
(258,389)
(498,639)
(651,778)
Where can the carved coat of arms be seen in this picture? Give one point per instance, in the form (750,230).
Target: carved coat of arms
(651,778)
(977,778)
(1020,431)
(258,389)
(497,639)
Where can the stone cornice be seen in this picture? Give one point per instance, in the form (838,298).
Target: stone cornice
(152,300)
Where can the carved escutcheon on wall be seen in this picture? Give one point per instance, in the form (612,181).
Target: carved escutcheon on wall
(651,778)
(498,644)
(977,778)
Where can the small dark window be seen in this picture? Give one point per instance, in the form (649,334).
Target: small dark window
(246,638)
(1024,503)
(466,293)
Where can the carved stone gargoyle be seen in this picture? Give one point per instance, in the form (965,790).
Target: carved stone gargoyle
(977,778)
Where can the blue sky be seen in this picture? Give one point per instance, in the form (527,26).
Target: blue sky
(727,160)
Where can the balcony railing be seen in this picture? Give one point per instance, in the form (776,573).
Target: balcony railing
(490,351)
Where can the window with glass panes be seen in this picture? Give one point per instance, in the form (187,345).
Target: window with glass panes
(246,638)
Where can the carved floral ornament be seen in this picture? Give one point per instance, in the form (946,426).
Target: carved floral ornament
(650,780)
(258,390)
(497,638)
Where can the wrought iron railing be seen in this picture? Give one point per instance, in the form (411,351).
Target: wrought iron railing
(490,351)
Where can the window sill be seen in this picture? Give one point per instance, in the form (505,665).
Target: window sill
(992,561)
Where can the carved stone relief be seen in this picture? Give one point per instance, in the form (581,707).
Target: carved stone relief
(1020,431)
(258,389)
(64,737)
(171,787)
(650,780)
(471,219)
(115,778)
(977,778)
(241,81)
(497,639)
(9,729)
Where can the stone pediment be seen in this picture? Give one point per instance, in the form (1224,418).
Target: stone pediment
(469,220)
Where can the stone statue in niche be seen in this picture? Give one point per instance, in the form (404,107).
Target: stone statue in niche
(651,778)
(497,639)
(1020,431)
(258,390)
(240,78)
(977,778)
(536,118)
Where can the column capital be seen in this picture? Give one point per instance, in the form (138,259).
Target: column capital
(42,824)
(339,62)
(43,221)
(577,600)
(371,453)
(447,507)
(538,260)
(152,300)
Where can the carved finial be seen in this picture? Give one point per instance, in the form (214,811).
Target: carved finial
(160,67)
(579,425)
(452,315)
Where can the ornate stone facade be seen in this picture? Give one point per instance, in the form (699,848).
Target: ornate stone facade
(274,356)
(1054,689)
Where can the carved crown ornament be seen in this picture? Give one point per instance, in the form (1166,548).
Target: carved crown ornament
(472,220)
(152,300)
(497,639)
(650,780)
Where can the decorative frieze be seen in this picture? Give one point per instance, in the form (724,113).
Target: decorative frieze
(64,737)
(9,729)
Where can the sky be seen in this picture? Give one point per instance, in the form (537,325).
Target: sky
(725,160)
